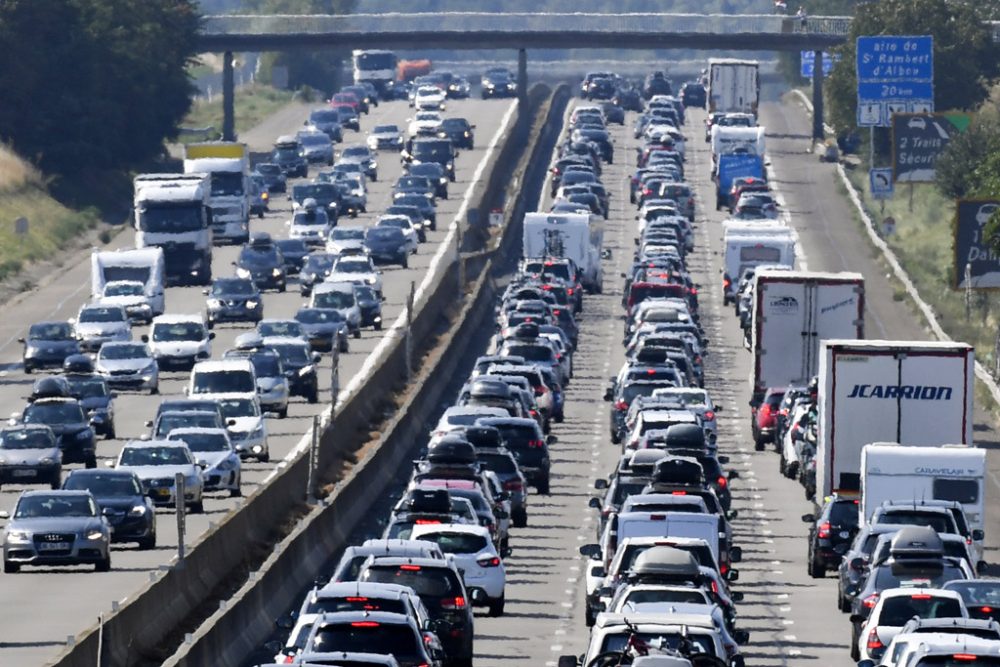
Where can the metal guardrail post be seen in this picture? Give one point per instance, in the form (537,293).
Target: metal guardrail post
(180,492)
(228,102)
(522,79)
(409,329)
(460,268)
(313,462)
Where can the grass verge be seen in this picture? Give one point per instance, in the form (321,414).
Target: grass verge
(252,104)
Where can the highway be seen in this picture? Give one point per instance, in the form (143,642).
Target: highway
(44,606)
(791,617)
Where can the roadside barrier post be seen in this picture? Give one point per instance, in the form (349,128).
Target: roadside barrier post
(179,493)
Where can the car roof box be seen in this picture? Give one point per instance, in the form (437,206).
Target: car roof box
(451,450)
(685,436)
(490,388)
(436,501)
(665,562)
(484,436)
(679,470)
(916,542)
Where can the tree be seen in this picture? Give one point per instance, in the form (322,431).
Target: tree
(94,84)
(964,54)
(961,167)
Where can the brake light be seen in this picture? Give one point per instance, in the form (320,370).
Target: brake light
(870,601)
(556,312)
(621,405)
(289,659)
(726,282)
(715,587)
(535,444)
(426,522)
(353,599)
(410,568)
(657,517)
(986,610)
(650,371)
(569,290)
(874,643)
(492,561)
(693,290)
(533,412)
(722,481)
(965,657)
(512,485)
(709,415)
(824,530)
(920,596)
(678,493)
(364,624)
(453,603)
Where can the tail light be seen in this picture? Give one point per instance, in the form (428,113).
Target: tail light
(965,657)
(364,624)
(539,390)
(426,522)
(693,290)
(824,531)
(726,282)
(697,360)
(356,599)
(410,568)
(722,481)
(678,493)
(569,290)
(289,659)
(621,405)
(870,601)
(709,415)
(453,603)
(490,561)
(513,485)
(556,312)
(874,643)
(535,444)
(723,568)
(920,596)
(986,610)
(533,412)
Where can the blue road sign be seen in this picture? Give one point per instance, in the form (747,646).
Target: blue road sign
(895,75)
(806,63)
(880,182)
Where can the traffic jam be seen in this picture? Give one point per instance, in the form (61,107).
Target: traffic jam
(877,433)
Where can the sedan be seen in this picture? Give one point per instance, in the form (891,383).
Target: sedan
(414,233)
(48,344)
(435,173)
(219,462)
(96,325)
(274,178)
(385,136)
(425,205)
(429,98)
(388,244)
(127,365)
(346,240)
(317,267)
(294,252)
(29,454)
(233,300)
(122,502)
(459,131)
(356,269)
(425,123)
(156,463)
(325,328)
(56,528)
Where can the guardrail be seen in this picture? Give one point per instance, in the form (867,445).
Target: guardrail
(136,632)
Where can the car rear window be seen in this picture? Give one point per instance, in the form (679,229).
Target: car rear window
(896,611)
(942,523)
(432,584)
(360,636)
(456,543)
(844,514)
(356,603)
(500,463)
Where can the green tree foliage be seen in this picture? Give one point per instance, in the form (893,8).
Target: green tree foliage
(962,168)
(316,68)
(94,84)
(964,54)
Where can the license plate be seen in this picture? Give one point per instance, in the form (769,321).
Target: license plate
(163,493)
(53,546)
(25,473)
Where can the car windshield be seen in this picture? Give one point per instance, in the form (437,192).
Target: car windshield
(314,140)
(292,246)
(171,420)
(123,289)
(498,463)
(844,513)
(268,169)
(34,438)
(203,442)
(977,592)
(352,266)
(87,386)
(44,506)
(267,256)
(454,123)
(897,610)
(178,331)
(398,223)
(285,153)
(365,293)
(239,407)
(54,413)
(266,364)
(427,116)
(384,233)
(431,151)
(280,328)
(385,129)
(397,639)
(333,300)
(319,316)
(233,288)
(223,382)
(154,456)
(293,355)
(117,352)
(324,116)
(227,184)
(104,485)
(318,263)
(101,315)
(958,660)
(51,331)
(354,151)
(348,234)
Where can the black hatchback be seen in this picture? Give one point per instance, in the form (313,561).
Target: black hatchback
(387,245)
(831,534)
(119,495)
(48,344)
(524,438)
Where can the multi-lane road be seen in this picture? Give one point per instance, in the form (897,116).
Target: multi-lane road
(43,606)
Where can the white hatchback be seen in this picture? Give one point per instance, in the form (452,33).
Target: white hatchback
(476,558)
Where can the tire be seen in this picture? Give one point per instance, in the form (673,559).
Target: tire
(283,413)
(405,262)
(28,370)
(55,483)
(264,458)
(843,604)
(147,543)
(313,396)
(111,434)
(282,288)
(103,565)
(11,568)
(357,333)
(543,487)
(377,326)
(559,418)
(616,438)
(153,391)
(344,347)
(198,507)
(519,519)
(792,470)
(496,606)
(238,491)
(855,651)
(91,461)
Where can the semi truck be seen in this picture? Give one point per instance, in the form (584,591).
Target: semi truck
(733,85)
(577,236)
(375,67)
(792,312)
(173,212)
(916,393)
(228,165)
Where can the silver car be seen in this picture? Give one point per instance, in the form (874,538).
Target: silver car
(56,528)
(30,454)
(220,464)
(156,463)
(128,365)
(316,146)
(98,324)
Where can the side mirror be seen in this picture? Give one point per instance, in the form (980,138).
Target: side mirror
(592,550)
(230,422)
(736,596)
(857,563)
(717,408)
(609,394)
(4,514)
(732,514)
(144,338)
(594,503)
(568,661)
(148,423)
(505,553)
(722,459)
(741,637)
(211,335)
(600,484)
(733,474)
(857,619)
(113,394)
(553,440)
(733,575)
(809,518)
(316,357)
(978,535)
(107,511)
(735,554)
(205,292)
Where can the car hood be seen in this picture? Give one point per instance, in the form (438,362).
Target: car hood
(62,524)
(323,327)
(176,347)
(123,364)
(64,429)
(95,402)
(100,328)
(235,297)
(337,277)
(345,244)
(28,456)
(244,424)
(386,244)
(157,472)
(210,459)
(124,300)
(387,135)
(120,503)
(51,344)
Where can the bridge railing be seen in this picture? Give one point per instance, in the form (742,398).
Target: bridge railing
(639,23)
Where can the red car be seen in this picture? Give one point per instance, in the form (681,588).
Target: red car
(764,418)
(346,100)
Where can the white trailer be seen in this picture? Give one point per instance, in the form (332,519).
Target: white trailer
(917,393)
(144,265)
(733,85)
(753,244)
(577,236)
(792,312)
(955,473)
(729,139)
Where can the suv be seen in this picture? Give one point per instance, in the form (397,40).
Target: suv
(67,419)
(289,155)
(830,534)
(377,631)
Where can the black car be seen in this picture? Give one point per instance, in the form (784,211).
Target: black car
(601,89)
(328,121)
(628,99)
(262,262)
(67,419)
(328,196)
(656,83)
(524,439)
(432,150)
(435,173)
(316,267)
(119,496)
(413,184)
(387,244)
(233,300)
(325,327)
(371,306)
(459,131)
(498,83)
(601,139)
(98,401)
(299,363)
(613,113)
(693,94)
(293,252)
(274,178)
(831,534)
(349,118)
(423,204)
(288,155)
(48,344)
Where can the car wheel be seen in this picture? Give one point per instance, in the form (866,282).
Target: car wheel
(91,461)
(198,507)
(404,261)
(283,412)
(843,603)
(147,543)
(377,326)
(210,324)
(543,487)
(519,518)
(357,333)
(110,435)
(264,458)
(29,369)
(11,568)
(313,396)
(559,418)
(103,565)
(496,606)
(56,482)
(855,651)
(238,491)
(282,287)
(344,347)
(588,618)
(154,390)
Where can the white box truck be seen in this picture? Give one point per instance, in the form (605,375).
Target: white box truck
(577,236)
(144,265)
(916,393)
(955,473)
(228,163)
(792,312)
(733,85)
(749,245)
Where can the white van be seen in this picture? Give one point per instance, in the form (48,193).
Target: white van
(180,340)
(223,378)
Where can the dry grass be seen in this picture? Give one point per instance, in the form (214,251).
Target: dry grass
(15,173)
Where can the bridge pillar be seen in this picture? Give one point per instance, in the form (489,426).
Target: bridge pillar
(817,94)
(522,77)
(228,89)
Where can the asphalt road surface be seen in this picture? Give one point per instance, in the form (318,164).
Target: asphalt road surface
(43,606)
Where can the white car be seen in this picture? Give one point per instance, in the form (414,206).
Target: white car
(311,226)
(405,225)
(156,463)
(460,416)
(97,324)
(385,136)
(425,123)
(895,607)
(477,559)
(346,240)
(357,190)
(339,296)
(356,269)
(180,340)
(212,449)
(429,98)
(271,327)
(249,432)
(610,631)
(128,365)
(130,295)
